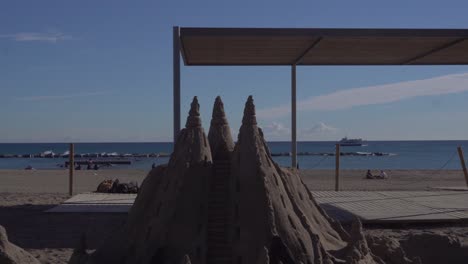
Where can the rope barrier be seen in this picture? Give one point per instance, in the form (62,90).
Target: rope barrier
(431,174)
(319,162)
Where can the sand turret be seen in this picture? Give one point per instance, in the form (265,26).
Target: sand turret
(219,136)
(192,145)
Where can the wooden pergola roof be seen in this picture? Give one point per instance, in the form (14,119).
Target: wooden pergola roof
(310,46)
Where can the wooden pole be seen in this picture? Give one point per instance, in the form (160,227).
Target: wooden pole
(337,168)
(462,161)
(71,168)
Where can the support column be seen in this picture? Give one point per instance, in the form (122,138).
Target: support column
(293,118)
(337,167)
(176,83)
(71,167)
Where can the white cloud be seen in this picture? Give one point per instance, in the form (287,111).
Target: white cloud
(51,37)
(277,131)
(58,97)
(379,94)
(319,128)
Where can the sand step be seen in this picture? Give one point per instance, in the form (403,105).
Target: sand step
(222,170)
(218,228)
(219,188)
(220,261)
(221,174)
(220,254)
(221,233)
(223,251)
(214,240)
(216,209)
(217,219)
(218,246)
(220,162)
(215,204)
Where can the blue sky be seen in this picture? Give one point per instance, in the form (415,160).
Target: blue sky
(89,71)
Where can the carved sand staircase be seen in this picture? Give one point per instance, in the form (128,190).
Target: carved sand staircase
(218,242)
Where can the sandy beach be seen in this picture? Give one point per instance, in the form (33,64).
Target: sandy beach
(24,195)
(56,181)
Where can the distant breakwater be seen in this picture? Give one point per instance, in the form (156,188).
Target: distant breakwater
(110,155)
(157,155)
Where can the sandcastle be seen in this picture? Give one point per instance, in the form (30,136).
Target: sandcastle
(220,202)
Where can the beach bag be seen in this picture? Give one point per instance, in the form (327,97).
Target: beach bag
(105,186)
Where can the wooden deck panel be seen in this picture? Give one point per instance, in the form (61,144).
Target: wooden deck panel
(370,207)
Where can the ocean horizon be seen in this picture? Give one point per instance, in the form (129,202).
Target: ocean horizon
(393,154)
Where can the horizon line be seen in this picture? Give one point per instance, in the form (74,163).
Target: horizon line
(276,141)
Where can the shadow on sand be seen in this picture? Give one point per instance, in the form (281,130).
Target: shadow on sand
(28,226)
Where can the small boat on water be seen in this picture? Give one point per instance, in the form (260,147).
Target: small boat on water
(348,142)
(48,154)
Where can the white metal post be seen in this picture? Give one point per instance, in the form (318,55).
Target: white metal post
(293,118)
(176,84)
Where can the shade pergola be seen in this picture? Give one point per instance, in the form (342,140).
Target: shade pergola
(313,46)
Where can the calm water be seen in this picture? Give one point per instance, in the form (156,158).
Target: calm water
(408,154)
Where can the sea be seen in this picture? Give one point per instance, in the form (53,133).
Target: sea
(430,155)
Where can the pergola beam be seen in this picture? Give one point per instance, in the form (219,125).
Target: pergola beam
(434,50)
(299,59)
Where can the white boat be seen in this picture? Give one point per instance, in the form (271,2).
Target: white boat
(47,154)
(351,142)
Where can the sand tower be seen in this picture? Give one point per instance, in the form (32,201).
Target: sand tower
(238,207)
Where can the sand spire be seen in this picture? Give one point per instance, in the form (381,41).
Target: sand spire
(249,112)
(219,136)
(193,119)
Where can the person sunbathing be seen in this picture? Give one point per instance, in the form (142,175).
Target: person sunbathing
(369,175)
(383,175)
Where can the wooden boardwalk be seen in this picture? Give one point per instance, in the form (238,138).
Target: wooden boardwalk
(395,206)
(370,207)
(96,203)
